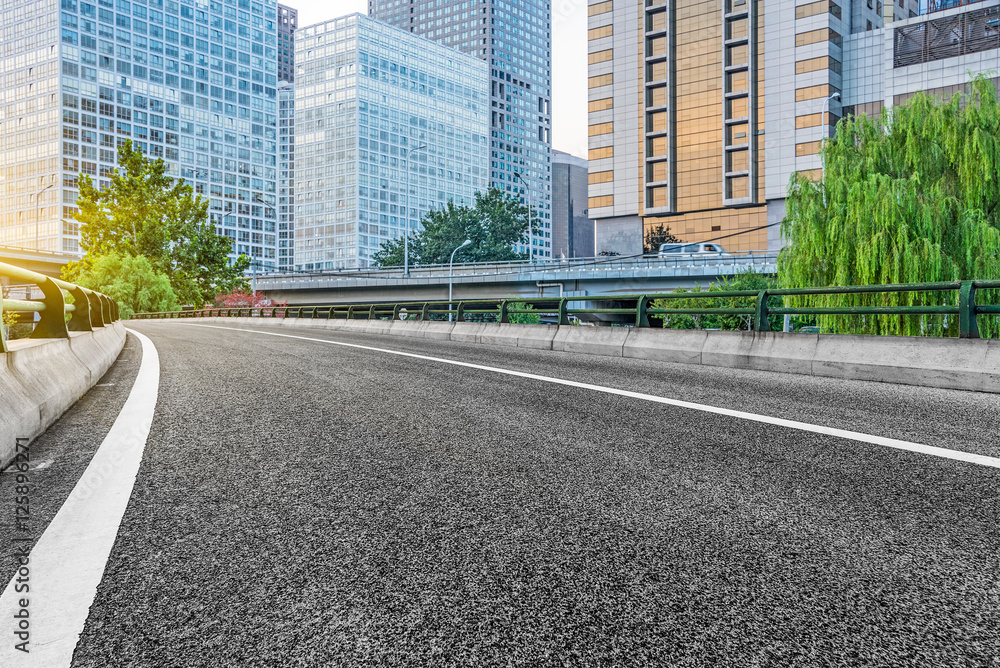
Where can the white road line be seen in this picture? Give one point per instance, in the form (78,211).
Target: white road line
(958,455)
(68,561)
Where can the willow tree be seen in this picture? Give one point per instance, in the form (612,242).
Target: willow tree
(909,196)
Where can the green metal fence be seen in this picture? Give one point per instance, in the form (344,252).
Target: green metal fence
(640,307)
(88,311)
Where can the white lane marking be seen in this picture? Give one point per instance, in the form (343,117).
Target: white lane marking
(958,455)
(68,561)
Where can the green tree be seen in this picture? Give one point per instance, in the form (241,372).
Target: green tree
(523,318)
(912,195)
(144,212)
(748,280)
(656,236)
(131,280)
(495,223)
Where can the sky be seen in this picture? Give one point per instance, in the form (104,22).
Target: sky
(569,62)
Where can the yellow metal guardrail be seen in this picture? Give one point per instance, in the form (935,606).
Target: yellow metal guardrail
(90,309)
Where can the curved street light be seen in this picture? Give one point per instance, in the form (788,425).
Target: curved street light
(38,196)
(527,197)
(451,272)
(406,214)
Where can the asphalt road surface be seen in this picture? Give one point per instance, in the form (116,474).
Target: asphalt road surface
(307,504)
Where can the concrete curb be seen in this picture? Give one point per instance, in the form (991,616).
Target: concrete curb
(608,341)
(41,378)
(962,364)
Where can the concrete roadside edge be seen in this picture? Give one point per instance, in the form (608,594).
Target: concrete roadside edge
(41,378)
(962,364)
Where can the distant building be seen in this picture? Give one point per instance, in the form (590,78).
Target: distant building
(699,113)
(288,21)
(572,230)
(371,103)
(194,84)
(515,39)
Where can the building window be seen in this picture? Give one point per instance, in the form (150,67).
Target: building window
(599,32)
(814,8)
(600,105)
(807,148)
(600,80)
(599,8)
(602,201)
(658,172)
(821,63)
(601,177)
(600,129)
(814,36)
(603,152)
(599,56)
(814,92)
(814,120)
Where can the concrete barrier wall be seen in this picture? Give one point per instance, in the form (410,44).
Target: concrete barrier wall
(41,378)
(964,364)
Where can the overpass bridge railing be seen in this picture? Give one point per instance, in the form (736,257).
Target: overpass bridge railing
(639,308)
(515,267)
(88,311)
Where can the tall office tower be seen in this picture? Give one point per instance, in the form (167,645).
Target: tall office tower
(377,108)
(699,114)
(189,81)
(572,230)
(516,40)
(288,21)
(286,176)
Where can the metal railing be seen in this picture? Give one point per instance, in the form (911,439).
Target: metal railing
(640,307)
(88,311)
(514,267)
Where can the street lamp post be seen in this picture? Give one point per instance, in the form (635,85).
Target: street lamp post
(527,196)
(406,213)
(451,272)
(253,262)
(38,197)
(826,133)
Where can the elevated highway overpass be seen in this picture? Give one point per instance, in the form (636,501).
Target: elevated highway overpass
(47,263)
(578,277)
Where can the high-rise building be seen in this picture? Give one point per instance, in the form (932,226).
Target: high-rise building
(699,114)
(286,176)
(189,81)
(516,41)
(377,109)
(572,230)
(288,21)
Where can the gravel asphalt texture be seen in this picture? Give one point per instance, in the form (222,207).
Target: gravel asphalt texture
(304,504)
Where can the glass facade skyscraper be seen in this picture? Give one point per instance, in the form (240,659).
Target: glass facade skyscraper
(190,81)
(288,21)
(372,103)
(286,176)
(515,38)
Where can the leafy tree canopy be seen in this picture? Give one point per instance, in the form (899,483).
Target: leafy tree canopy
(912,195)
(745,280)
(495,224)
(144,212)
(655,236)
(131,280)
